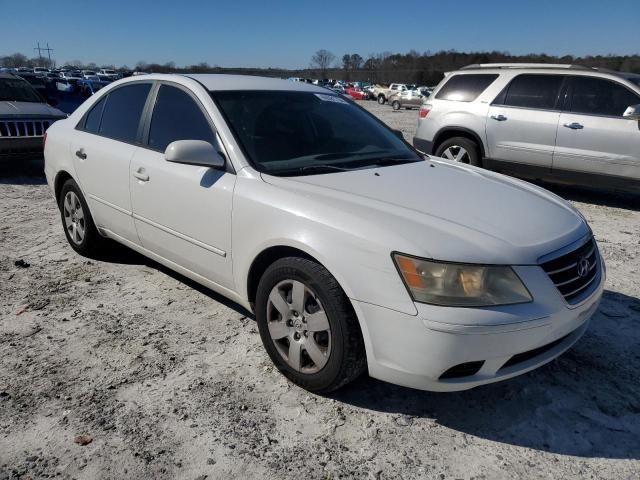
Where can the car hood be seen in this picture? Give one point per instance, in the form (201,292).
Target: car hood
(440,210)
(32,109)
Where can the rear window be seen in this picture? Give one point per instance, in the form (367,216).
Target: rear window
(531,91)
(122,112)
(465,88)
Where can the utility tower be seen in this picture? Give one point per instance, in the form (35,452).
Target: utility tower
(43,49)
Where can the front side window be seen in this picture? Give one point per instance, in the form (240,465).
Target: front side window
(122,112)
(465,88)
(531,91)
(596,96)
(302,133)
(176,116)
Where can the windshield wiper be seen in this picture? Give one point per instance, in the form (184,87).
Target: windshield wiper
(317,168)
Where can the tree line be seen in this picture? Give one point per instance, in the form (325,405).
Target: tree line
(413,67)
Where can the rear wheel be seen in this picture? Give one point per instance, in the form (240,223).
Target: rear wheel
(381,99)
(308,326)
(78,224)
(460,149)
(396,105)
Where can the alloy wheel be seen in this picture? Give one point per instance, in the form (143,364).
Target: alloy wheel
(74,219)
(456,153)
(299,326)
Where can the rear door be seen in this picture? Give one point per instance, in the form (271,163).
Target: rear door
(102,147)
(523,119)
(593,137)
(182,212)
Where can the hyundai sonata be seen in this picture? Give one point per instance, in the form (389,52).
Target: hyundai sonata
(355,252)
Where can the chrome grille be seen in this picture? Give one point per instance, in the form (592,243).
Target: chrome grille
(23,128)
(575,274)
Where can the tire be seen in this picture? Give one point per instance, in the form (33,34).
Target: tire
(452,148)
(326,311)
(396,105)
(381,99)
(84,237)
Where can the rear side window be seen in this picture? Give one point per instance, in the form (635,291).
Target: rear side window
(92,122)
(465,88)
(176,116)
(122,112)
(531,91)
(597,96)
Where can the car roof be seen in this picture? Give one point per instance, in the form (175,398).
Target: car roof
(558,68)
(221,81)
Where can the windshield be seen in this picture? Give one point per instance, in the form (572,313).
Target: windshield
(634,79)
(302,133)
(15,90)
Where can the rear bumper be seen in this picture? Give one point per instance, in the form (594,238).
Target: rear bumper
(26,148)
(502,342)
(424,146)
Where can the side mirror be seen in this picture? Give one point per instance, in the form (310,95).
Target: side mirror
(194,152)
(398,133)
(632,112)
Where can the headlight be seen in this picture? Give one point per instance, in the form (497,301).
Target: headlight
(454,284)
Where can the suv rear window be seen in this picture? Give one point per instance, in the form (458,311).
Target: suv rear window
(531,91)
(465,88)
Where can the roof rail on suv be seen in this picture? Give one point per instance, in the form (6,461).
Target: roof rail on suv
(477,66)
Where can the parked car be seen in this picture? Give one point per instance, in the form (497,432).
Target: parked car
(299,205)
(356,93)
(24,118)
(108,74)
(87,73)
(559,123)
(407,99)
(382,93)
(41,70)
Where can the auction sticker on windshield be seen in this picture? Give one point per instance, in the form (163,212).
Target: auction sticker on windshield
(331,98)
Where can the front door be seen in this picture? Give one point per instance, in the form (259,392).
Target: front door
(182,212)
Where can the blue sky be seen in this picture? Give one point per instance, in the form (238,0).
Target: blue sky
(286,33)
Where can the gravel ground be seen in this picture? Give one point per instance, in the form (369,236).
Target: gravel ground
(119,368)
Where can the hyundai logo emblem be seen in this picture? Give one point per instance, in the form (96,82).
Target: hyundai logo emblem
(583,267)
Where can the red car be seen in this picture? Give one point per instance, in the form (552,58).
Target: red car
(357,94)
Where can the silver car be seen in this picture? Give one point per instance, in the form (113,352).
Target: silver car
(563,123)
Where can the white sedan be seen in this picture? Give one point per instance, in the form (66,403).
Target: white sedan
(354,252)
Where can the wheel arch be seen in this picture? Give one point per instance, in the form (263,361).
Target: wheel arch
(273,253)
(61,177)
(450,132)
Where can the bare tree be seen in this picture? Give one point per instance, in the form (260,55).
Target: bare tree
(322,60)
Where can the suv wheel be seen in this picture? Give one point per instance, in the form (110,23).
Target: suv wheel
(460,149)
(78,224)
(381,99)
(307,325)
(396,105)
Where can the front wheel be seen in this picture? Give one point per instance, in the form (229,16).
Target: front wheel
(308,325)
(460,149)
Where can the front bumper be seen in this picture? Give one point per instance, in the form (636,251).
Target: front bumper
(22,148)
(415,351)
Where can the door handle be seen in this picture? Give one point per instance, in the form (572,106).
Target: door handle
(499,118)
(80,154)
(574,126)
(141,175)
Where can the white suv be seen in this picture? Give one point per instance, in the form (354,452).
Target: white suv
(563,123)
(352,250)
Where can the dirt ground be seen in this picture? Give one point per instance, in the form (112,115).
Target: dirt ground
(165,379)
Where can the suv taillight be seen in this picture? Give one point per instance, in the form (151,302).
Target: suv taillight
(424,111)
